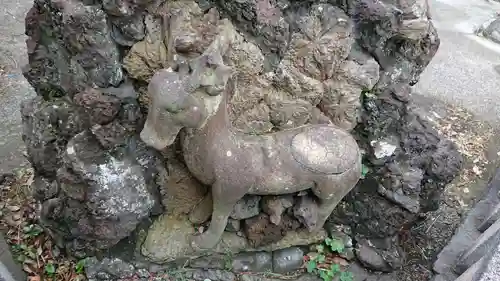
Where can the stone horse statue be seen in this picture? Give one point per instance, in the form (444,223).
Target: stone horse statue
(323,158)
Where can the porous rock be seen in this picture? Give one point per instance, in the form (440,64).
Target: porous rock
(233,225)
(346,63)
(274,206)
(306,211)
(252,262)
(260,231)
(119,191)
(380,254)
(108,269)
(246,207)
(210,274)
(400,186)
(215,261)
(288,260)
(101,108)
(67,62)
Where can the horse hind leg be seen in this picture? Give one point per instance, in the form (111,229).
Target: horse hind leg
(224,199)
(330,192)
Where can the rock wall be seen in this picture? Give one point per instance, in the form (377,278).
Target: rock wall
(344,62)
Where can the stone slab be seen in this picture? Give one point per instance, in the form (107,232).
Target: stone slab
(490,220)
(469,274)
(169,237)
(483,245)
(468,233)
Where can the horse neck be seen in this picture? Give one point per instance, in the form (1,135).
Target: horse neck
(218,127)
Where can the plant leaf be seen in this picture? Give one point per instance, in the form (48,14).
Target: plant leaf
(80,266)
(324,275)
(328,241)
(321,259)
(335,268)
(346,276)
(311,266)
(320,248)
(337,245)
(27,268)
(50,269)
(364,171)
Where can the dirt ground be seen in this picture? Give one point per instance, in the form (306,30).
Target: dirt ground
(479,143)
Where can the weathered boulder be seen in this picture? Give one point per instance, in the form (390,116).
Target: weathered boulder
(95,182)
(405,182)
(102,196)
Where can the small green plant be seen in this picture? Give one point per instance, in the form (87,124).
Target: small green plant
(32,230)
(335,244)
(317,263)
(228,261)
(176,274)
(23,252)
(80,266)
(364,171)
(50,269)
(346,276)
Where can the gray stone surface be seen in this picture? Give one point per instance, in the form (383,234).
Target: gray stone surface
(490,219)
(13,86)
(380,254)
(288,260)
(252,262)
(482,247)
(9,269)
(465,62)
(246,207)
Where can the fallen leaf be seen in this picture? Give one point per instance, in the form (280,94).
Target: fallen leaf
(27,268)
(476,170)
(13,208)
(29,261)
(12,222)
(16,216)
(340,261)
(30,180)
(34,278)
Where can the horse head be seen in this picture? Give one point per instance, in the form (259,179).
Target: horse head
(184,100)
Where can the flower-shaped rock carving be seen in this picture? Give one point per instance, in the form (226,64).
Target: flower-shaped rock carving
(341,103)
(322,41)
(185,31)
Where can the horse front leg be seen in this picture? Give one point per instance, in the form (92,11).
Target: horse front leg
(224,198)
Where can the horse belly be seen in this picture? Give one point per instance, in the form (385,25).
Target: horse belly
(277,184)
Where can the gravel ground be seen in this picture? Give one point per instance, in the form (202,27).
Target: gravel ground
(13,87)
(463,70)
